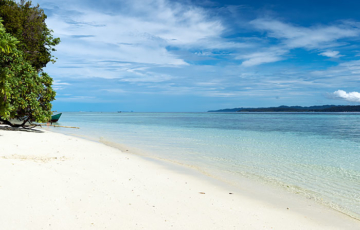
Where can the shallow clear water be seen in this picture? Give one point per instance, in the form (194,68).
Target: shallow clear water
(314,154)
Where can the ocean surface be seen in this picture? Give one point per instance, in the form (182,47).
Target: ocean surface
(316,155)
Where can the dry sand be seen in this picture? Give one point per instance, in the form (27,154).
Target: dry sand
(53,181)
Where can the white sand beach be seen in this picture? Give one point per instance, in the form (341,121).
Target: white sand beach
(53,181)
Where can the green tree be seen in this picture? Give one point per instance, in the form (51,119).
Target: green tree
(27,23)
(25,92)
(26,95)
(7,45)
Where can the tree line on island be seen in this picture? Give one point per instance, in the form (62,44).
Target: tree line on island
(26,44)
(283,108)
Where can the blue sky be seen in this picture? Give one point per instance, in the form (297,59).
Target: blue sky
(194,56)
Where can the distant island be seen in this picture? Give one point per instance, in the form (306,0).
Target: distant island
(284,108)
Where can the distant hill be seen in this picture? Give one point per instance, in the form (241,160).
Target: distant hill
(283,108)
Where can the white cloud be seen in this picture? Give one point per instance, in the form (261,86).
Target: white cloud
(58,85)
(303,37)
(351,96)
(58,82)
(88,99)
(117,91)
(352,66)
(343,70)
(267,56)
(133,31)
(260,58)
(331,54)
(291,37)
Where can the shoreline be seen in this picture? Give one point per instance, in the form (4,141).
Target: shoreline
(245,185)
(82,184)
(260,190)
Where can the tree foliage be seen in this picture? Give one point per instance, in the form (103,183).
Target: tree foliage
(25,90)
(27,23)
(7,42)
(25,94)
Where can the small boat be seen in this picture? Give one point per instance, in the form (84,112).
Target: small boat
(55,118)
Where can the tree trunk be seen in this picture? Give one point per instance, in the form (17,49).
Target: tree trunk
(15,125)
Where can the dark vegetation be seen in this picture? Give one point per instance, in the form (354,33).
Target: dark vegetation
(283,108)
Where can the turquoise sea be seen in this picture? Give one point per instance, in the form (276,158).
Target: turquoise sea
(316,155)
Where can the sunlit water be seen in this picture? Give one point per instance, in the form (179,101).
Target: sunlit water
(313,154)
